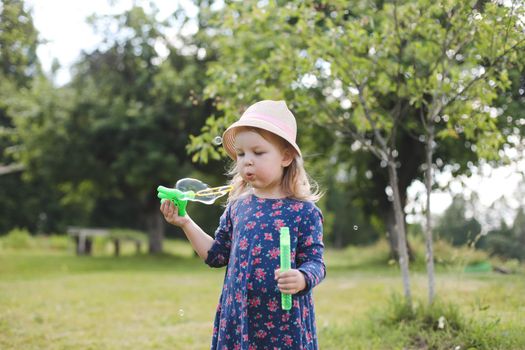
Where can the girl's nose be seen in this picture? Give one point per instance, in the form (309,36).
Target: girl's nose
(248,161)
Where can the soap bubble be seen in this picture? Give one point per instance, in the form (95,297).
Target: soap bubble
(217,140)
(203,192)
(356,227)
(181,312)
(194,190)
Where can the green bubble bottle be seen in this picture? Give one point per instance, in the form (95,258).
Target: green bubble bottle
(284,239)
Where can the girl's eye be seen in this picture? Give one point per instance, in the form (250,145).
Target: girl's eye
(258,153)
(240,154)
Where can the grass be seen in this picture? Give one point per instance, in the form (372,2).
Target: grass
(51,299)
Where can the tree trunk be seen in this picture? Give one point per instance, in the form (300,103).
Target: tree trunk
(155,226)
(411,155)
(392,234)
(400,230)
(428,230)
(116,243)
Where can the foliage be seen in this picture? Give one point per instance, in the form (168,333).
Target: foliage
(18,238)
(519,225)
(454,227)
(19,38)
(349,225)
(21,239)
(53,242)
(20,203)
(133,112)
(95,148)
(100,145)
(446,255)
(374,255)
(508,242)
(347,70)
(440,325)
(38,116)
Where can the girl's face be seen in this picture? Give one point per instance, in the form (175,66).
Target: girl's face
(261,161)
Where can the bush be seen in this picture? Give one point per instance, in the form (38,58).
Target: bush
(505,247)
(18,238)
(438,326)
(53,242)
(446,254)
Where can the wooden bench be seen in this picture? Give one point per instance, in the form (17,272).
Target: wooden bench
(83,237)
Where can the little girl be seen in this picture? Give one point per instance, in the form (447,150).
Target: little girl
(270,190)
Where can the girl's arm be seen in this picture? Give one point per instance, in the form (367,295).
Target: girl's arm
(310,248)
(215,252)
(219,253)
(199,240)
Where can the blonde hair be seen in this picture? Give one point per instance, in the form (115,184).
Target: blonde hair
(295,182)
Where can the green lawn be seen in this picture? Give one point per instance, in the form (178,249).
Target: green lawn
(55,300)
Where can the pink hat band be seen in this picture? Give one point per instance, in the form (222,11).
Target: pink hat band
(291,132)
(272,116)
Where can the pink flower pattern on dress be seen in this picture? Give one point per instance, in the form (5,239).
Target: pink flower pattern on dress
(249,314)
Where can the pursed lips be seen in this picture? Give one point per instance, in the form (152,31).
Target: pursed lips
(249,175)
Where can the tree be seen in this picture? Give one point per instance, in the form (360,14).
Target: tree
(20,76)
(120,127)
(454,227)
(371,72)
(139,109)
(508,242)
(18,67)
(519,228)
(19,37)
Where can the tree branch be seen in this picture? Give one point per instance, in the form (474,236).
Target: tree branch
(368,115)
(10,168)
(481,76)
(349,130)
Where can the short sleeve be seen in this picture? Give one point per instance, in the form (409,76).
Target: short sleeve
(310,248)
(219,253)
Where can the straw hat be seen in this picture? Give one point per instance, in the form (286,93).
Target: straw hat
(272,116)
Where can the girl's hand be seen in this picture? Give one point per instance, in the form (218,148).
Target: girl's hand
(291,281)
(171,214)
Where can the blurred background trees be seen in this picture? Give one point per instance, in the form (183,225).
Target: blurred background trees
(20,202)
(141,111)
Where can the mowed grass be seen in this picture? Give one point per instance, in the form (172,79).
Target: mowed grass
(56,300)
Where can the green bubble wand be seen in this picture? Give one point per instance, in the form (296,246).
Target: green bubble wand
(191,190)
(284,248)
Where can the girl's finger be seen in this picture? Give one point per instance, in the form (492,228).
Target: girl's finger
(287,284)
(287,280)
(287,274)
(289,290)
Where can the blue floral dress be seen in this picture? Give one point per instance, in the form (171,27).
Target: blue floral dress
(249,314)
